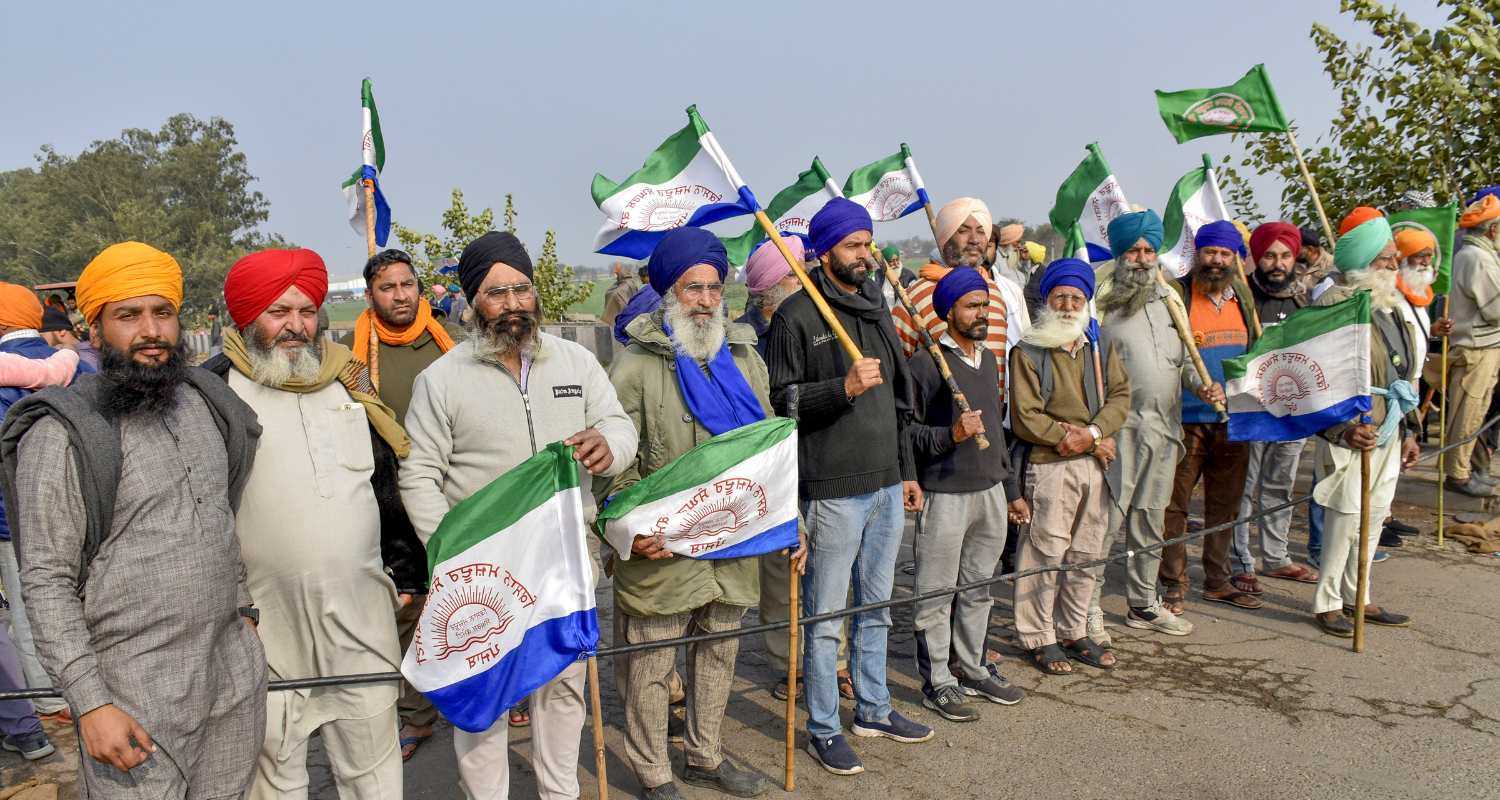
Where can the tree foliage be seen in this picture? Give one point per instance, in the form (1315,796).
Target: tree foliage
(555,286)
(184,189)
(1415,112)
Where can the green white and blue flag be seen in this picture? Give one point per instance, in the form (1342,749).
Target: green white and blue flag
(372,162)
(890,188)
(790,211)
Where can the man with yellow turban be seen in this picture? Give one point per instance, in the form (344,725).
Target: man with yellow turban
(330,555)
(1474,306)
(1365,256)
(135,474)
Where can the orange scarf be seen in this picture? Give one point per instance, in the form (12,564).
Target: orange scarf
(1419,300)
(367,347)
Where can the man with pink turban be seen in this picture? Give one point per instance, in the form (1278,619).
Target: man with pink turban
(770,281)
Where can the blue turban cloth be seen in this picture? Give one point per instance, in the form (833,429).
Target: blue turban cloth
(1075,273)
(1125,229)
(956,284)
(1221,233)
(837,218)
(681,250)
(1479,195)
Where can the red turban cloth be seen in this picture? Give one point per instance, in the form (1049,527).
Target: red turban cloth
(258,279)
(1284,232)
(1358,217)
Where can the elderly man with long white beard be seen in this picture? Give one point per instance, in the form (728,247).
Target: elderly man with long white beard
(319,520)
(1365,257)
(1069,402)
(687,375)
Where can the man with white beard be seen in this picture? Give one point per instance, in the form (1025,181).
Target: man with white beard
(1136,322)
(1068,401)
(770,281)
(686,375)
(319,524)
(1365,257)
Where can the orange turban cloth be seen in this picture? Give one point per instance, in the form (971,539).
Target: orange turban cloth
(1410,241)
(126,270)
(1485,209)
(1011,234)
(258,279)
(19,307)
(1358,217)
(950,217)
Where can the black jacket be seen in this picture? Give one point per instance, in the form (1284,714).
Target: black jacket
(1274,308)
(845,447)
(401,551)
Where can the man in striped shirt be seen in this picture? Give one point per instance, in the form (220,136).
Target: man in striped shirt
(963,227)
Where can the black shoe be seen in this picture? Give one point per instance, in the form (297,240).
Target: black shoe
(993,687)
(727,778)
(1380,616)
(1469,487)
(949,703)
(1389,538)
(1401,527)
(676,726)
(666,791)
(1334,624)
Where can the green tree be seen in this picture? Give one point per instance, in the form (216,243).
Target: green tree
(555,286)
(1415,112)
(184,189)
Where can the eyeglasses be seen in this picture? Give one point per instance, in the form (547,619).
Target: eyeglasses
(519,291)
(700,289)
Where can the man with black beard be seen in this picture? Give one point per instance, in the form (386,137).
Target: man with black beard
(491,402)
(134,476)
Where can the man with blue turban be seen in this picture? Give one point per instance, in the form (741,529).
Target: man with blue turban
(1366,258)
(1221,315)
(1068,401)
(1136,322)
(856,474)
(714,382)
(969,496)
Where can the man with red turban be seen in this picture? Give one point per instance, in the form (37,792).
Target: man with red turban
(329,553)
(1474,305)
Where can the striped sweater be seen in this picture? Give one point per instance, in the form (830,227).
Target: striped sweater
(920,293)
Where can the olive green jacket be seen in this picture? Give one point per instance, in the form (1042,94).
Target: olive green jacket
(644,376)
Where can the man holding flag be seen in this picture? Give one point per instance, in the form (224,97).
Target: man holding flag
(492,402)
(1365,256)
(686,376)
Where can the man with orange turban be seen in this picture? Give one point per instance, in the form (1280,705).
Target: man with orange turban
(139,470)
(1474,306)
(330,555)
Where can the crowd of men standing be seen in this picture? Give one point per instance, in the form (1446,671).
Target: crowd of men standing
(280,494)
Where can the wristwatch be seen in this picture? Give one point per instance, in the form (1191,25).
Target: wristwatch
(251,613)
(1095,432)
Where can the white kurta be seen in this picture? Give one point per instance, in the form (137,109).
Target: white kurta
(309,534)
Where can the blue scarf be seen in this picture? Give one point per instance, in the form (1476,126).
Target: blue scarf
(721,399)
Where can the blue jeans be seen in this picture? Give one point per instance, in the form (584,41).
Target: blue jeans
(853,545)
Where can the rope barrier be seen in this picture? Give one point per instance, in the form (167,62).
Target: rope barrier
(1009,577)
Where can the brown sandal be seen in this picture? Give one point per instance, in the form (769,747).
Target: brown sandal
(1294,572)
(1175,600)
(1247,584)
(1236,598)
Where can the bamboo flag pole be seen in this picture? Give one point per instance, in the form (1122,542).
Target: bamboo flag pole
(1239,264)
(1312,188)
(1185,334)
(794,653)
(928,344)
(807,286)
(369,217)
(598,714)
(1442,436)
(1363,586)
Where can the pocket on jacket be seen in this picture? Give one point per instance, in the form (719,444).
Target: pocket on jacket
(351,437)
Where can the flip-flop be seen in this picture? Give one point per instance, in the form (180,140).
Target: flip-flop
(1235,598)
(412,742)
(1293,572)
(523,711)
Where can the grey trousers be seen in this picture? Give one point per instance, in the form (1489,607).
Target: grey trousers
(1268,482)
(644,676)
(20,632)
(959,541)
(1142,527)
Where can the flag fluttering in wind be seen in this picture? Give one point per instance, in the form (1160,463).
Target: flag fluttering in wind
(687,181)
(790,210)
(1086,202)
(890,188)
(1442,223)
(1195,202)
(1304,375)
(1247,105)
(511,603)
(732,496)
(372,149)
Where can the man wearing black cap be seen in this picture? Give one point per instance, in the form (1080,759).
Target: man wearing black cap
(483,407)
(58,331)
(1314,263)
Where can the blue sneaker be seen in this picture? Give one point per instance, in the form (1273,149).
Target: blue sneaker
(31,746)
(1380,555)
(897,728)
(835,755)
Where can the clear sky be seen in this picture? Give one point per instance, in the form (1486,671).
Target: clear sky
(534,98)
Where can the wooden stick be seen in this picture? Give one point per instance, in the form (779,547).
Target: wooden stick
(1364,541)
(1442,438)
(598,714)
(794,637)
(1239,264)
(807,286)
(369,217)
(1312,188)
(932,348)
(1185,334)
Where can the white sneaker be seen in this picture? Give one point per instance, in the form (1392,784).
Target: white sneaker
(1156,618)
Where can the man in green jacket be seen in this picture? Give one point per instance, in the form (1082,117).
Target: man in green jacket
(685,376)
